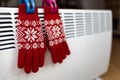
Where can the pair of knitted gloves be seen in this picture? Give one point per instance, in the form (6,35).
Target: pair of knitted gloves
(32,43)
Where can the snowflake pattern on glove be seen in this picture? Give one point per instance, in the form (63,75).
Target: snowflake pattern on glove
(29,34)
(54,31)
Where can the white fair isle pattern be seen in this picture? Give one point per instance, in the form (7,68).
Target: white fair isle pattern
(51,43)
(57,21)
(19,22)
(45,22)
(42,45)
(19,46)
(52,22)
(55,42)
(29,34)
(60,40)
(28,23)
(27,46)
(34,23)
(49,32)
(54,31)
(35,45)
(40,33)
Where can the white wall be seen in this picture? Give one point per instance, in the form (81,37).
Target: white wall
(15,3)
(119,16)
(92,4)
(87,4)
(11,3)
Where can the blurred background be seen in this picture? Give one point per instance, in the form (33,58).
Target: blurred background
(114,5)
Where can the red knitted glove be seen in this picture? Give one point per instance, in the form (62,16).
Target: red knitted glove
(55,35)
(31,45)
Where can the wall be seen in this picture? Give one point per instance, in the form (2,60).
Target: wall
(87,4)
(93,4)
(15,3)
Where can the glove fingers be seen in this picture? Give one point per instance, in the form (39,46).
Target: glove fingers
(21,58)
(28,61)
(62,51)
(66,48)
(45,45)
(35,60)
(59,54)
(41,57)
(54,54)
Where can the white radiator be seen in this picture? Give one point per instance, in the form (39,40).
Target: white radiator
(89,35)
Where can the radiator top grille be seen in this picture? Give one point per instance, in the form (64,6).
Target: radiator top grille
(77,23)
(7,40)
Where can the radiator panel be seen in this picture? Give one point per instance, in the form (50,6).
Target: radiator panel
(89,35)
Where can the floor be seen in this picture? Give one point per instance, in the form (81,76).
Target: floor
(114,69)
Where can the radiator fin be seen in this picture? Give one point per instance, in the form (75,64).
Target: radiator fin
(102,22)
(79,24)
(69,25)
(96,22)
(7,40)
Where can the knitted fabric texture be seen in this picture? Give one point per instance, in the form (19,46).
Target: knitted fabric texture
(55,35)
(31,44)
